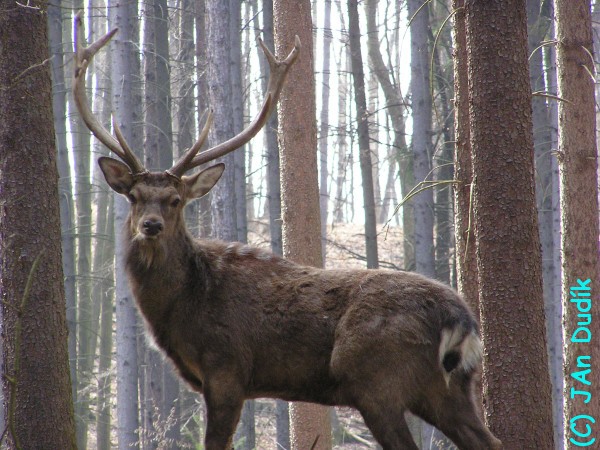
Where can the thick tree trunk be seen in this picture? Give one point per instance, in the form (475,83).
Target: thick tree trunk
(578,164)
(366,167)
(37,403)
(299,186)
(505,218)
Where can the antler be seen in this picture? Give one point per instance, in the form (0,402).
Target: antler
(278,72)
(83,57)
(191,158)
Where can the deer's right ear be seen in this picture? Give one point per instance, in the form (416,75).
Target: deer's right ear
(117,174)
(199,184)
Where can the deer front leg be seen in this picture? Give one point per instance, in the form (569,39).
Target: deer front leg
(224,400)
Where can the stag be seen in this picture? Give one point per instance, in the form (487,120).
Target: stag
(239,322)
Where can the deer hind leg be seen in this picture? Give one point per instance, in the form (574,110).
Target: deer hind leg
(454,413)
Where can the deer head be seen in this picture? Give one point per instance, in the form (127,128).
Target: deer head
(164,194)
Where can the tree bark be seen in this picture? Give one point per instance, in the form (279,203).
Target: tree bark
(59,102)
(342,154)
(366,166)
(443,155)
(421,137)
(282,413)
(557,385)
(394,104)
(466,262)
(273,172)
(106,287)
(126,101)
(538,26)
(37,392)
(218,42)
(184,103)
(83,203)
(578,166)
(505,218)
(324,128)
(299,186)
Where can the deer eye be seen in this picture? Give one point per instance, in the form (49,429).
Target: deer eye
(175,202)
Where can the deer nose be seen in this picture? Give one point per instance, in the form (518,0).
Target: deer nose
(152,227)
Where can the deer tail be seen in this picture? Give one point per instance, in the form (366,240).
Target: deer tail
(460,348)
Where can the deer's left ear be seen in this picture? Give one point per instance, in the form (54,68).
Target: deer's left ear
(200,183)
(117,174)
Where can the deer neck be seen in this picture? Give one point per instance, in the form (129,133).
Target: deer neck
(158,267)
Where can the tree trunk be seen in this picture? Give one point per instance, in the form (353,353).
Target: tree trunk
(578,166)
(395,107)
(246,428)
(538,26)
(342,146)
(324,128)
(366,167)
(106,287)
(273,176)
(37,403)
(218,42)
(83,204)
(103,264)
(59,99)
(204,204)
(466,262)
(443,160)
(186,110)
(421,137)
(505,218)
(557,384)
(282,414)
(299,186)
(237,104)
(126,101)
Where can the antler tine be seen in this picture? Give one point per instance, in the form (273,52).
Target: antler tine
(128,156)
(83,57)
(278,72)
(183,164)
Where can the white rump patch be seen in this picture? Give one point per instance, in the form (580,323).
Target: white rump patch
(469,348)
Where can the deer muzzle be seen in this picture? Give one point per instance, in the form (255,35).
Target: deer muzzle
(152,227)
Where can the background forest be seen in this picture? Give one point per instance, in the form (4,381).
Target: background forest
(395,164)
